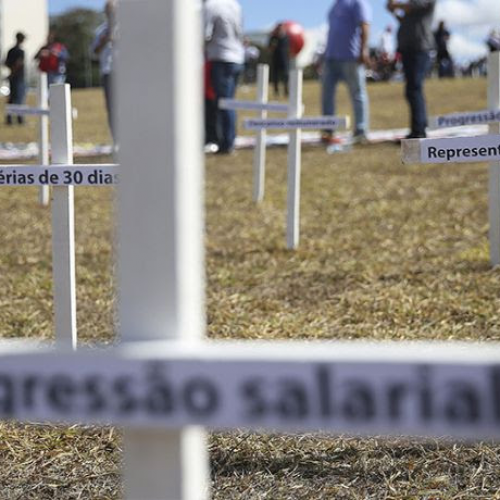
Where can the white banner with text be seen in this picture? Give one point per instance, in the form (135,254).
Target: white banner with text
(469,118)
(460,399)
(320,122)
(460,149)
(59,175)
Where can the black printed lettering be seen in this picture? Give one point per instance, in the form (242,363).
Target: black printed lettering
(60,393)
(201,398)
(95,399)
(359,402)
(6,395)
(122,389)
(292,400)
(432,152)
(325,392)
(463,405)
(252,392)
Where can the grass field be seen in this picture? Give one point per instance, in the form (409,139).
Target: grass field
(387,252)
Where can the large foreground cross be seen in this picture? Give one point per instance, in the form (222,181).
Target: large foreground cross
(164,383)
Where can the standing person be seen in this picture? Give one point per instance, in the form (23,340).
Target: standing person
(102,47)
(415,41)
(17,83)
(211,138)
(386,45)
(52,59)
(493,41)
(443,57)
(279,45)
(223,23)
(252,54)
(345,58)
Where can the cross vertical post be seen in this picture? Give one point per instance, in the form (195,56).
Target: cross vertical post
(63,223)
(494,170)
(43,134)
(260,146)
(294,160)
(161,274)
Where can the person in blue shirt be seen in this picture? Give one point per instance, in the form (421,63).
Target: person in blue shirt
(102,47)
(345,57)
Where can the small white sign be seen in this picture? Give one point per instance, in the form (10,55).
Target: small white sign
(469,118)
(382,398)
(484,148)
(19,109)
(253,106)
(320,122)
(60,175)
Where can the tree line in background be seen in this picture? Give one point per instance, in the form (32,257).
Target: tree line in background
(76,29)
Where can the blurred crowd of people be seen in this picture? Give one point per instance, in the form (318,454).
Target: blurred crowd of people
(411,54)
(51,59)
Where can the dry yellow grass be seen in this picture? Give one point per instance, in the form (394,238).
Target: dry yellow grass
(387,252)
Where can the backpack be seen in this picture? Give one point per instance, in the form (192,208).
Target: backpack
(49,58)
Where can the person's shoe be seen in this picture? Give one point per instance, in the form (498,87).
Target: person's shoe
(416,135)
(211,148)
(226,151)
(361,139)
(330,140)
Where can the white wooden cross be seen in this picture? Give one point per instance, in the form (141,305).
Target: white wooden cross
(263,107)
(295,123)
(165,383)
(62,175)
(42,111)
(470,149)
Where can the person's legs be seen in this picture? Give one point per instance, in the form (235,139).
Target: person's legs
(55,78)
(415,65)
(17,96)
(21,97)
(224,80)
(286,77)
(275,78)
(108,96)
(10,100)
(210,121)
(354,75)
(331,77)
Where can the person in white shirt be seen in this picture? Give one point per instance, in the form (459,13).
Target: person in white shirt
(223,24)
(102,47)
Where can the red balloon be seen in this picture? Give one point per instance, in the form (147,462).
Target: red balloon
(296,35)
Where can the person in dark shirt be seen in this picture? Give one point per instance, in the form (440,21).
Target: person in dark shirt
(279,46)
(443,57)
(493,41)
(415,41)
(17,83)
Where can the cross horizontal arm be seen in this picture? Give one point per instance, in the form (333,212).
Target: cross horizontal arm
(320,122)
(21,109)
(276,107)
(451,150)
(59,175)
(424,389)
